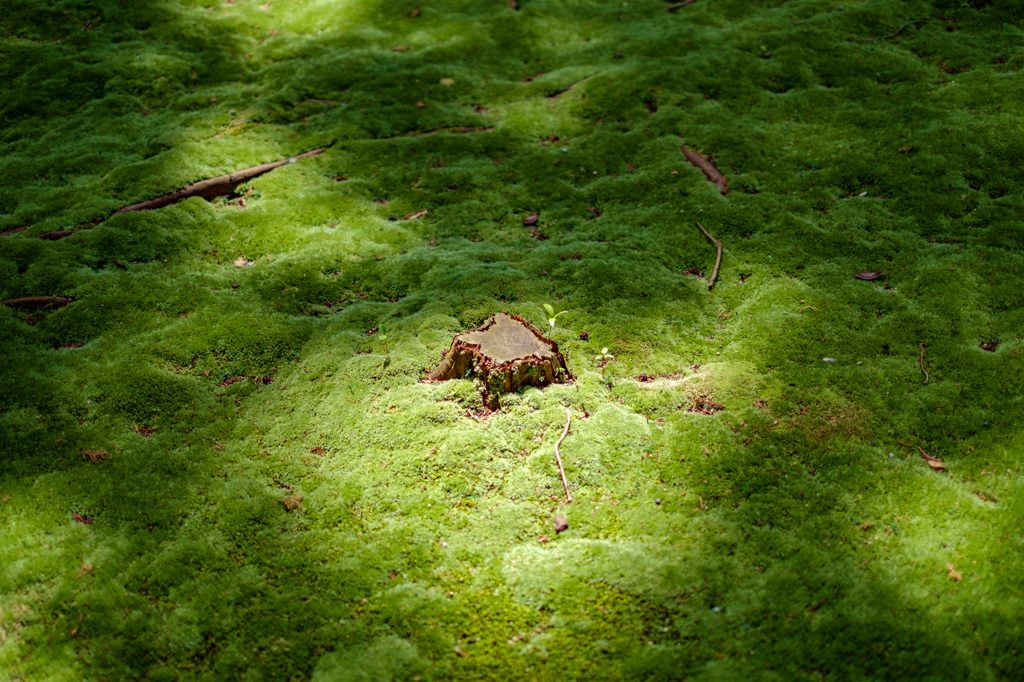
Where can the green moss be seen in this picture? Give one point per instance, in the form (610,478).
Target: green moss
(775,538)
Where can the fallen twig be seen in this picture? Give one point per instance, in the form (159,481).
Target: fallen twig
(896,32)
(684,3)
(214,187)
(461,130)
(712,173)
(219,186)
(37,302)
(718,261)
(558,457)
(809,306)
(921,361)
(558,94)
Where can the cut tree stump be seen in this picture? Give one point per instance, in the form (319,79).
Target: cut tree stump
(506,353)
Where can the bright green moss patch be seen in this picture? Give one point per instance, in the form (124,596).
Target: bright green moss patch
(743,508)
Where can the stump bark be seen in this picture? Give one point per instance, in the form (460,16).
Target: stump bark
(506,353)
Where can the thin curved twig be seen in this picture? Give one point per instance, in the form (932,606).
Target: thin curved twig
(921,361)
(718,261)
(897,31)
(558,457)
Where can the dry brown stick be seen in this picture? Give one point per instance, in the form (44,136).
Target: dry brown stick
(463,130)
(558,457)
(921,361)
(718,261)
(558,94)
(37,302)
(712,173)
(214,187)
(684,3)
(207,189)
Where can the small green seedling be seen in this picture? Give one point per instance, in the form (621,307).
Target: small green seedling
(602,361)
(552,316)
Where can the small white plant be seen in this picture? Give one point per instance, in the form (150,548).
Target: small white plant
(552,316)
(604,357)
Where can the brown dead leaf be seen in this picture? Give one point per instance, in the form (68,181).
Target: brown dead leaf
(908,149)
(866,525)
(82,519)
(531,219)
(953,573)
(85,568)
(6,499)
(990,346)
(421,105)
(933,462)
(240,262)
(414,216)
(542,539)
(95,455)
(413,14)
(144,430)
(400,48)
(596,213)
(318,451)
(560,524)
(868,275)
(292,502)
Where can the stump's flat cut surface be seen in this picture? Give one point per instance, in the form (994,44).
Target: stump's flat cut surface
(507,353)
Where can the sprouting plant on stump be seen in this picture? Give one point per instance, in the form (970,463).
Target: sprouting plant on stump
(552,316)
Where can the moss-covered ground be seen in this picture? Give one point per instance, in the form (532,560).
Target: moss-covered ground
(794,533)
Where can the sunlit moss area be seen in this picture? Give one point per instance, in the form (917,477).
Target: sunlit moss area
(274,493)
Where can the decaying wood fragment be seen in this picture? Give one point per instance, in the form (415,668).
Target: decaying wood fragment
(506,353)
(35,302)
(704,163)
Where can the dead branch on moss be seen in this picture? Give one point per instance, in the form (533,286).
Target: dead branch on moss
(684,3)
(558,94)
(896,32)
(558,456)
(461,130)
(14,231)
(36,302)
(704,163)
(219,186)
(921,361)
(59,234)
(214,187)
(718,261)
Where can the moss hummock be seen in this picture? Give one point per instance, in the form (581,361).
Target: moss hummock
(742,509)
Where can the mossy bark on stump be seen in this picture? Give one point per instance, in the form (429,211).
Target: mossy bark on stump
(506,353)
